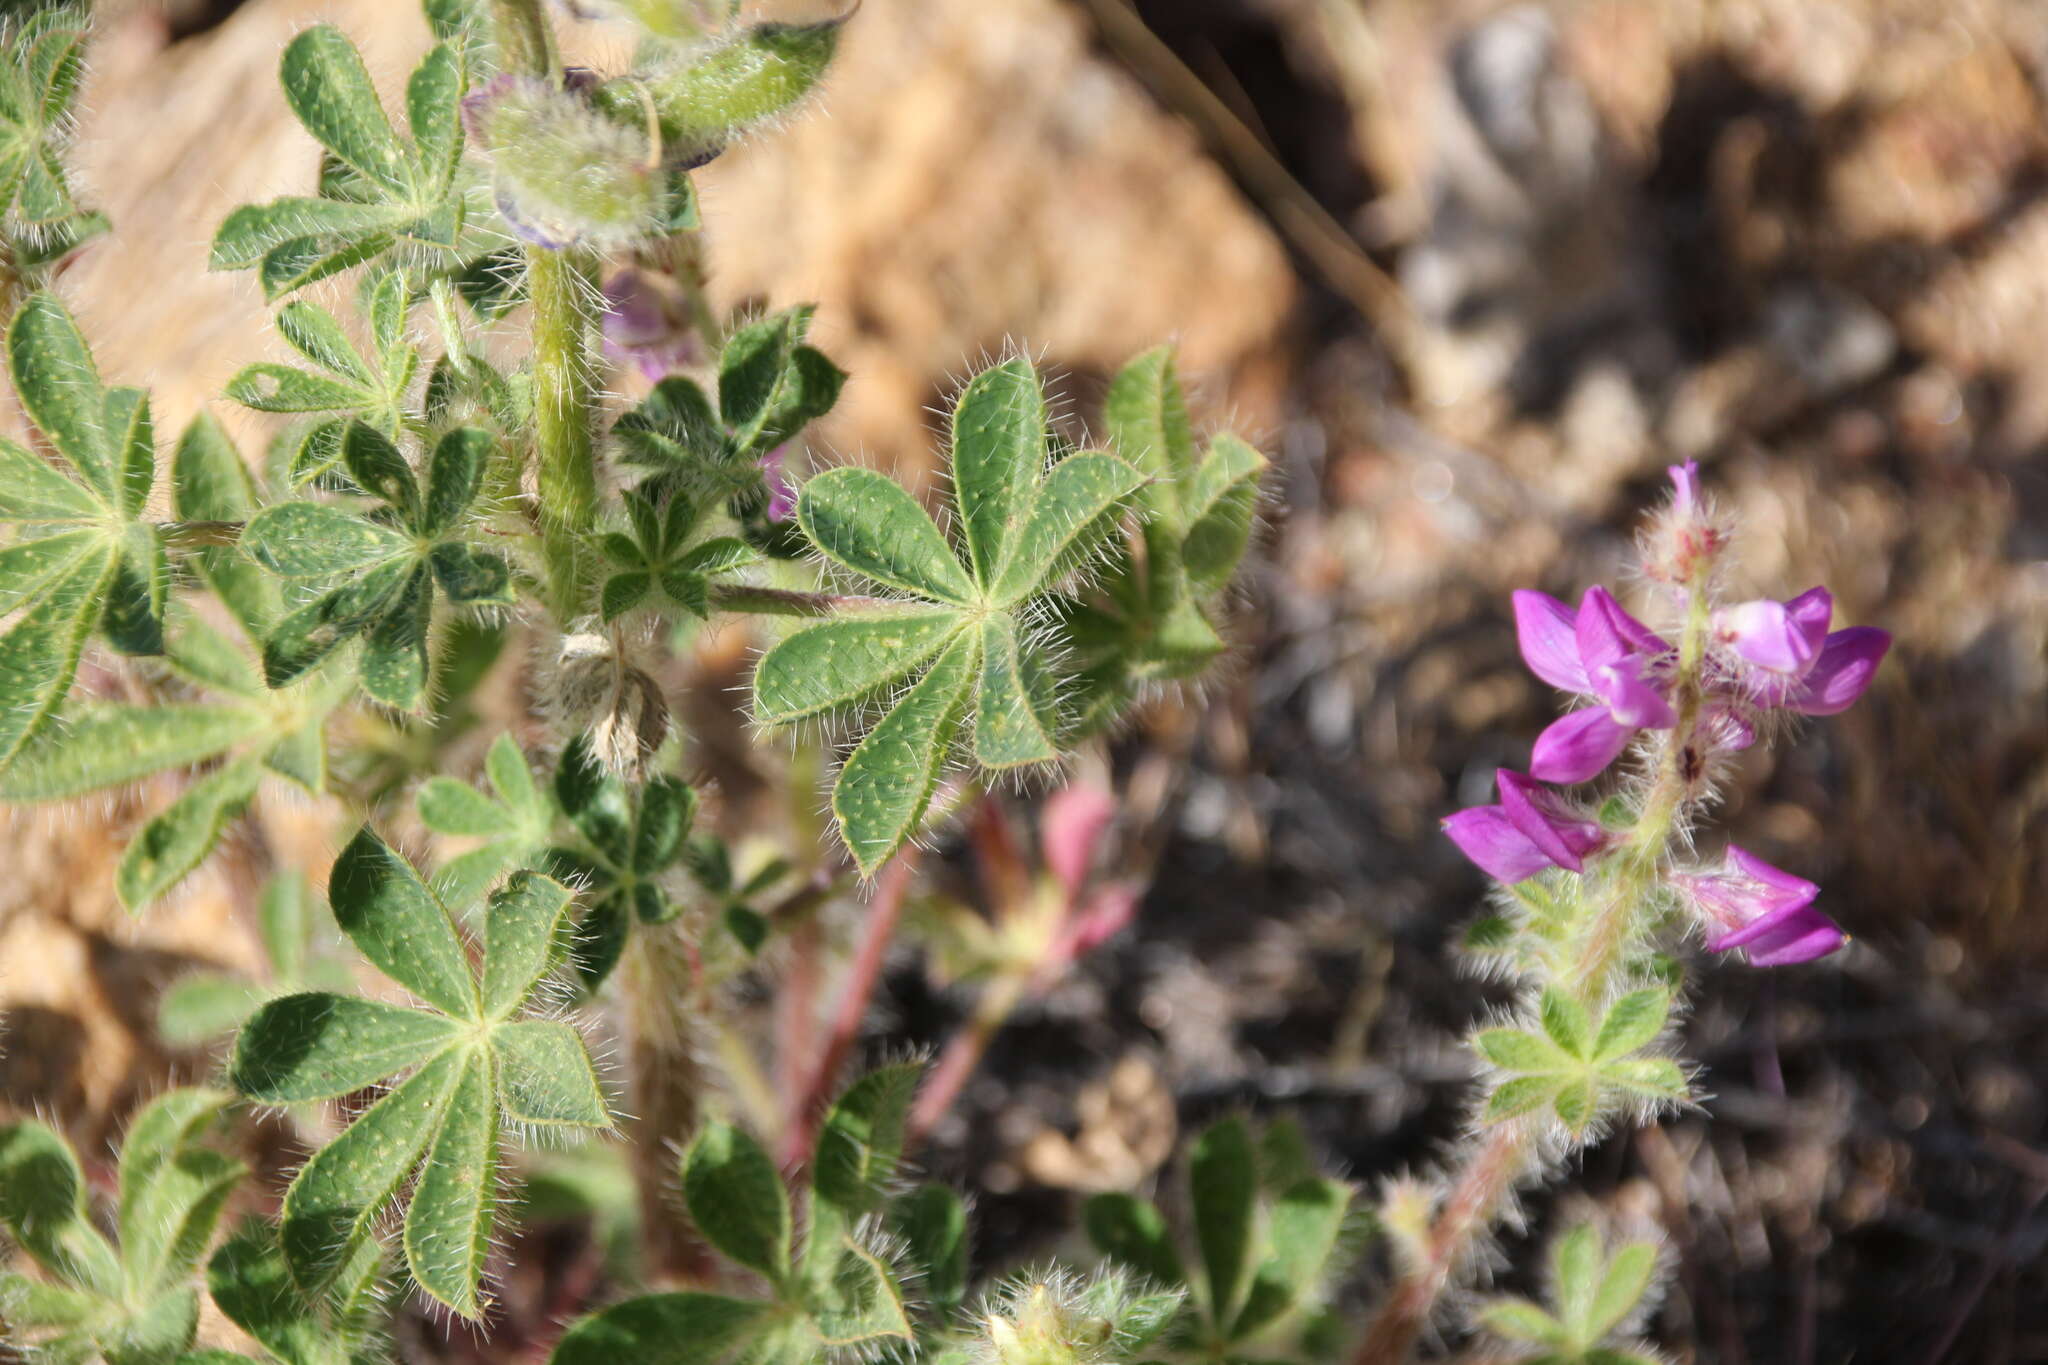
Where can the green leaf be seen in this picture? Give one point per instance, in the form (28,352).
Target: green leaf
(667,810)
(451,807)
(110,744)
(176,840)
(60,390)
(522,922)
(209,482)
(269,387)
(1303,1228)
(472,577)
(685,1328)
(1131,1232)
(1577,1103)
(887,782)
(1657,1078)
(719,90)
(380,469)
(250,1283)
(1074,511)
(1564,1020)
(317,1046)
(1148,423)
(1632,1022)
(1515,1319)
(34,1303)
(395,662)
(42,1202)
(1575,1267)
(770,385)
(155,1333)
(328,88)
(861,1139)
(455,474)
(998,454)
(448,1227)
(1628,1277)
(39,653)
(32,489)
(1511,1049)
(1222,502)
(304,639)
(860,1306)
(867,524)
(315,334)
(135,595)
(1522,1095)
(168,1225)
(1008,729)
(395,921)
(840,662)
(545,1076)
(932,1222)
(433,99)
(330,1207)
(302,232)
(737,1200)
(1222,1188)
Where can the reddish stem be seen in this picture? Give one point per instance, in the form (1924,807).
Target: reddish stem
(892,888)
(1484,1182)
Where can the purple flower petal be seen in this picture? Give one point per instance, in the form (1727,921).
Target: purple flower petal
(1800,936)
(1685,483)
(1606,631)
(1490,839)
(1632,699)
(1847,663)
(1546,821)
(1784,637)
(1579,746)
(1547,630)
(781,490)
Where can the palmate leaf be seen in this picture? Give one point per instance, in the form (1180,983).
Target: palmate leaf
(82,558)
(388,564)
(473,1062)
(627,838)
(399,189)
(1579,1071)
(657,560)
(1155,617)
(958,648)
(130,1303)
(41,63)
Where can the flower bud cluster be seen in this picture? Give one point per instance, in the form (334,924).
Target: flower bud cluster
(1706,696)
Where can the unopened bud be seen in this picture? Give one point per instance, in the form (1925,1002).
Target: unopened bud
(564,172)
(1685,542)
(632,726)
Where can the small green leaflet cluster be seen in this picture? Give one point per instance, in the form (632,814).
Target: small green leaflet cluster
(1593,1301)
(248,732)
(1154,619)
(131,1304)
(1057,1319)
(625,841)
(657,564)
(373,387)
(379,570)
(41,61)
(203,1006)
(473,1061)
(1583,1074)
(962,636)
(771,384)
(831,1291)
(1271,1233)
(83,559)
(377,190)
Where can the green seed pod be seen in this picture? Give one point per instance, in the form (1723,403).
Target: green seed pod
(718,92)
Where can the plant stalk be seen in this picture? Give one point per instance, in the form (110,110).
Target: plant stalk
(565,413)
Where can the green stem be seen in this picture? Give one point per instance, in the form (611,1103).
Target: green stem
(783,602)
(525,40)
(565,413)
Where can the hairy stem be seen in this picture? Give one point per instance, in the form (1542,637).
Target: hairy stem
(565,413)
(892,889)
(783,602)
(1471,1206)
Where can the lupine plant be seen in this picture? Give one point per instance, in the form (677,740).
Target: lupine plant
(454,490)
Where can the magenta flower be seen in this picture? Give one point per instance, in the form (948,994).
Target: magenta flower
(1602,652)
(645,327)
(1767,913)
(1532,828)
(1806,668)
